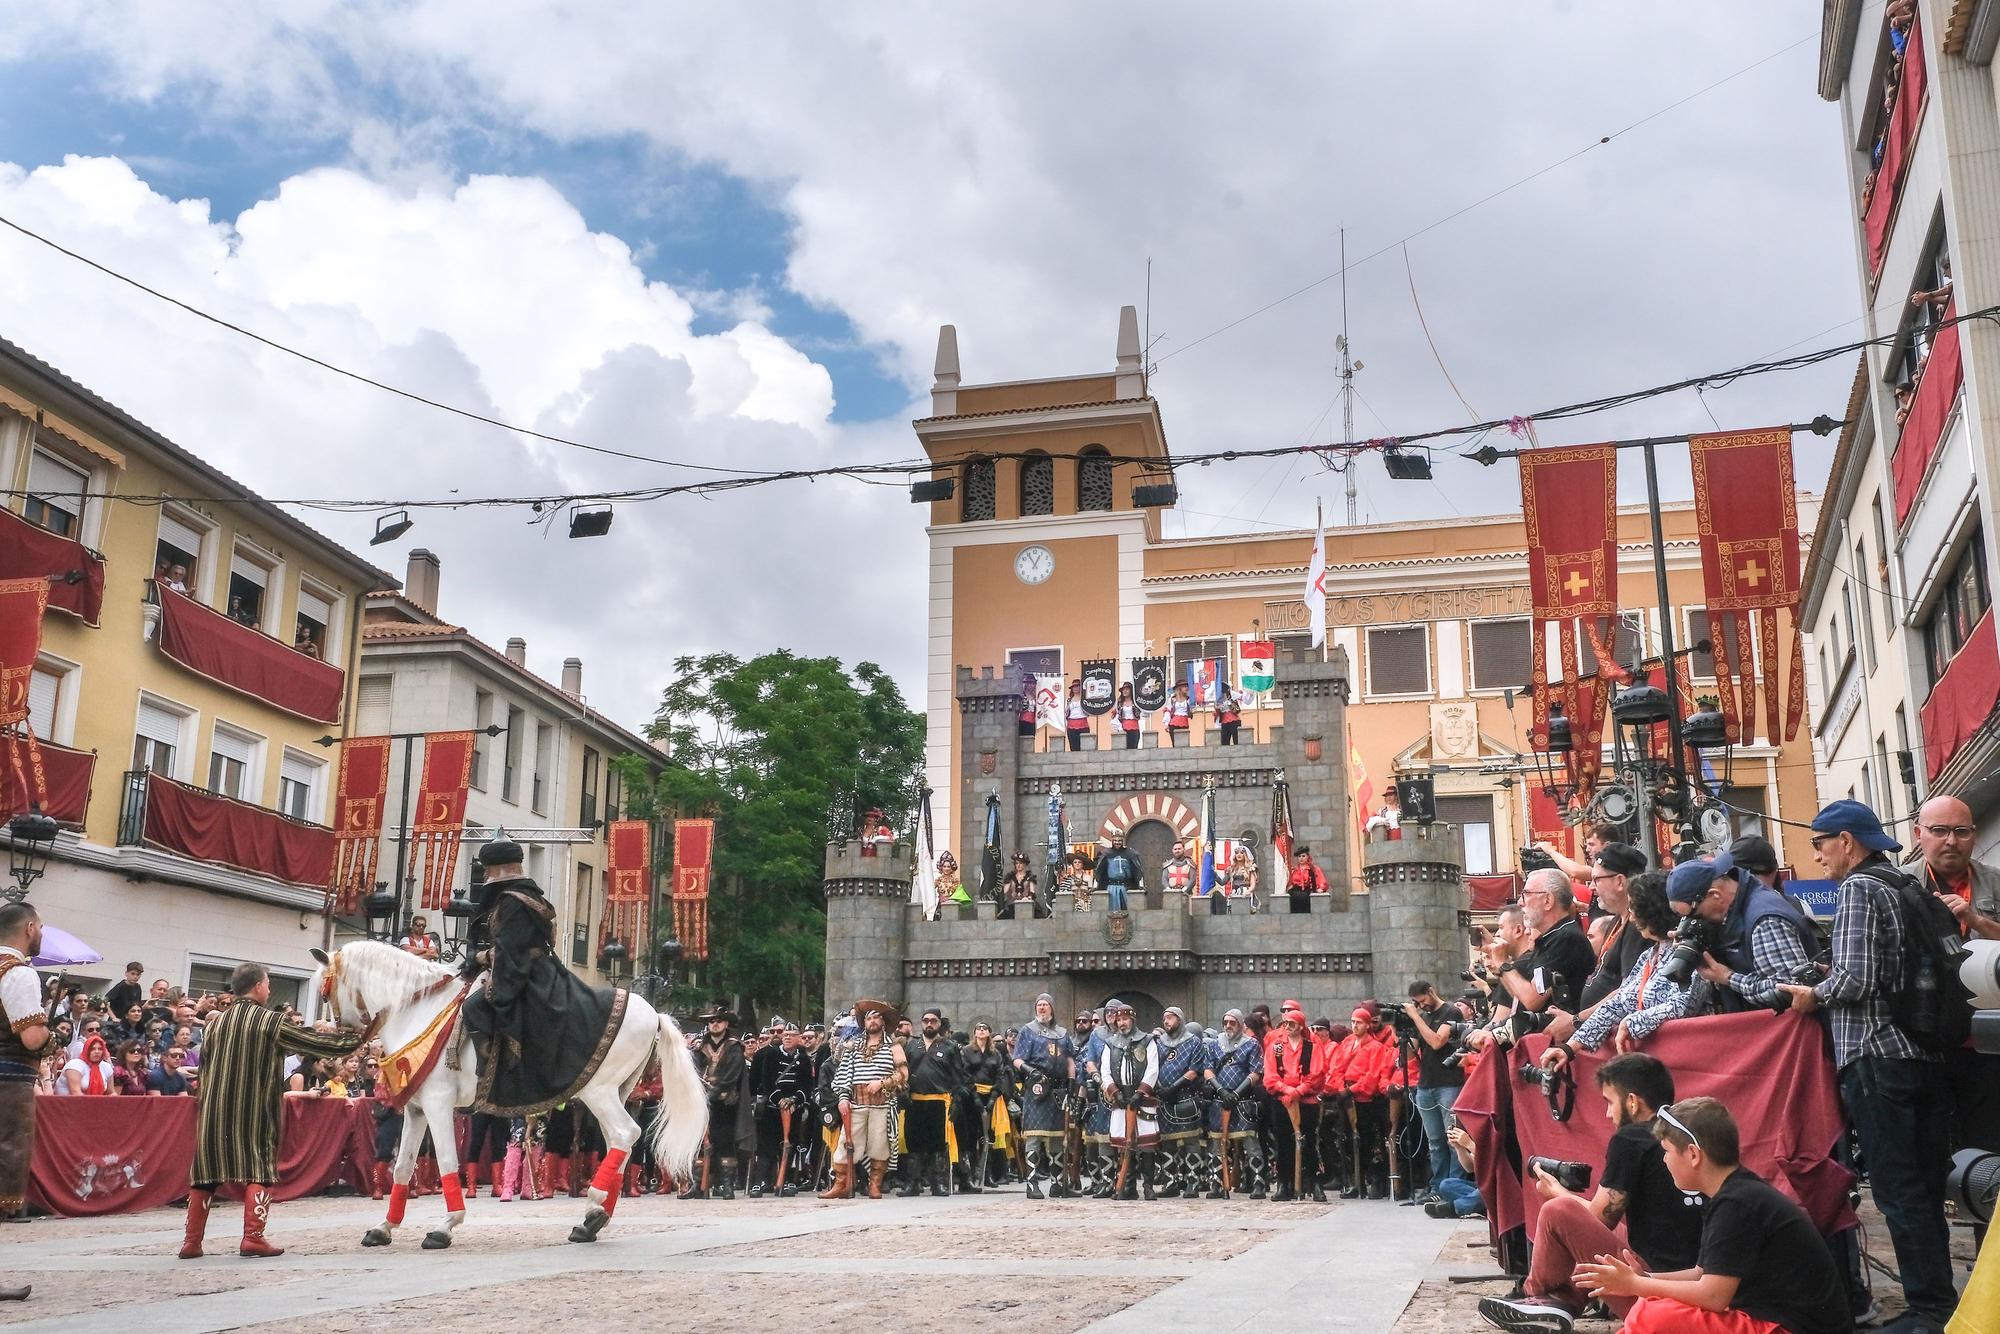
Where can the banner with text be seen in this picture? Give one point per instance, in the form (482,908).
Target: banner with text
(1100,685)
(1149,683)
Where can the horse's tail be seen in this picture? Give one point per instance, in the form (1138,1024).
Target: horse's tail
(682,1122)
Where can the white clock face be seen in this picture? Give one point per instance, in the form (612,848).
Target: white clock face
(1034,564)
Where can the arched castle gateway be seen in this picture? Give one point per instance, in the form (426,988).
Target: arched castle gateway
(971,964)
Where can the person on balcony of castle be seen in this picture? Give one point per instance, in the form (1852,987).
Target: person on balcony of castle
(1306,879)
(1076,881)
(1118,874)
(1228,714)
(1388,817)
(1126,712)
(874,832)
(1076,718)
(1179,874)
(1017,891)
(950,889)
(1242,882)
(1177,715)
(1030,714)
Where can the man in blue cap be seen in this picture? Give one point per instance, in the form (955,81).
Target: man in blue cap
(1767,935)
(1894,1089)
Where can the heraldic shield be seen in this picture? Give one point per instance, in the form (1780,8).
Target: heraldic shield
(1118,929)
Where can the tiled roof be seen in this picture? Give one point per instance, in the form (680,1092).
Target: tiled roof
(408,630)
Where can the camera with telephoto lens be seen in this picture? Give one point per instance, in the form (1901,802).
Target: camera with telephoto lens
(1694,937)
(1557,1086)
(1534,859)
(1391,1013)
(1570,1176)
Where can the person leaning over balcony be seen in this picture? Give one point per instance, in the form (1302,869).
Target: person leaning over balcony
(1228,714)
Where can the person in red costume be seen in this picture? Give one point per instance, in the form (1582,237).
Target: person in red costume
(1295,1066)
(1370,1077)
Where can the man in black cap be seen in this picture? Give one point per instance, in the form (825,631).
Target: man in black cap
(935,1074)
(538,1029)
(719,1059)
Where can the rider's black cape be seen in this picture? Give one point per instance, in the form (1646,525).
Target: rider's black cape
(549,1031)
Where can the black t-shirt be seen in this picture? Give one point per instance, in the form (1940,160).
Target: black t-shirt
(1432,1072)
(1613,966)
(1752,1233)
(1662,1221)
(1564,950)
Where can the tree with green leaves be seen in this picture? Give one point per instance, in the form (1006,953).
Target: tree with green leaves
(766,747)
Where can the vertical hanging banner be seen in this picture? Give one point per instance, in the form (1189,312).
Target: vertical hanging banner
(1748,515)
(1363,787)
(440,822)
(1050,700)
(1149,683)
(22,603)
(1257,661)
(1204,681)
(1100,685)
(694,859)
(628,846)
(357,820)
(1569,502)
(924,889)
(1282,838)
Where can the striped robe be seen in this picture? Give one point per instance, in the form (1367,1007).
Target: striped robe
(243,1090)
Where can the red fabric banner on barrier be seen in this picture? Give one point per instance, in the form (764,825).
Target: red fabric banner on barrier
(26,550)
(1937,387)
(209,644)
(1963,699)
(694,855)
(1771,1071)
(65,795)
(440,822)
(96,1156)
(250,838)
(1569,504)
(357,819)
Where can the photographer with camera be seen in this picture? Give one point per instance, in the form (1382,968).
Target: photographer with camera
(1551,975)
(1763,936)
(1439,1025)
(1892,1011)
(1617,864)
(1509,942)
(1652,993)
(1662,1222)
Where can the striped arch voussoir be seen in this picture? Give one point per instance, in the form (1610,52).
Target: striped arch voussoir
(1169,810)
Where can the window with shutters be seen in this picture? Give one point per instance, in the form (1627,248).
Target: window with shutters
(1038,485)
(1093,479)
(1296,648)
(614,794)
(56,489)
(45,687)
(158,736)
(249,582)
(1955,611)
(177,552)
(977,494)
(586,814)
(372,700)
(232,759)
(579,940)
(1746,813)
(1629,645)
(515,737)
(301,781)
(313,624)
(1399,660)
(1701,665)
(543,778)
(1474,817)
(1502,657)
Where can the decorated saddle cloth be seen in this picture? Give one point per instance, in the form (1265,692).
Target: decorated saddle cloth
(407,1067)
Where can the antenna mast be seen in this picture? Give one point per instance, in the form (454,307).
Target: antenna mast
(1347,368)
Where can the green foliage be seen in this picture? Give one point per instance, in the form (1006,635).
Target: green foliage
(765,746)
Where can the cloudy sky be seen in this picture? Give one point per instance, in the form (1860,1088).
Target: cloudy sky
(727,236)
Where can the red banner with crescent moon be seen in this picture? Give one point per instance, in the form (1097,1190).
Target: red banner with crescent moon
(357,820)
(694,857)
(1569,502)
(22,603)
(440,813)
(1747,511)
(628,894)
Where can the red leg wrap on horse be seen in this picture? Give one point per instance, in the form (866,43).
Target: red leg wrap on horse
(454,1195)
(610,1175)
(399,1198)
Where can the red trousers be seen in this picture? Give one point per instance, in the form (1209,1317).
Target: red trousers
(1568,1234)
(1663,1315)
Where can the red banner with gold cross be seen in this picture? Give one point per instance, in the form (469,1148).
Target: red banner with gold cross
(694,858)
(1746,509)
(357,820)
(1569,502)
(440,813)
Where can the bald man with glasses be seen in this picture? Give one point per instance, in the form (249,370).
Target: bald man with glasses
(1945,835)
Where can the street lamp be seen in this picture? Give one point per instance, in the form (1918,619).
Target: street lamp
(611,959)
(31,838)
(458,914)
(380,908)
(658,985)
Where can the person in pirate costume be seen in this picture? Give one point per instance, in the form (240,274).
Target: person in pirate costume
(989,1131)
(241,1105)
(1185,1073)
(540,1031)
(779,1075)
(1129,1072)
(1045,1071)
(719,1059)
(1236,1063)
(871,1069)
(936,1074)
(26,1038)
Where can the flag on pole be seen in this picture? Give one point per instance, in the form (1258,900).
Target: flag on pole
(925,886)
(1281,824)
(1259,658)
(1364,787)
(1205,854)
(1316,586)
(1049,700)
(1204,682)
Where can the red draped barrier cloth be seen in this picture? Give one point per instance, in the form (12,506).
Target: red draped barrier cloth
(209,644)
(1490,893)
(1923,430)
(1963,698)
(66,776)
(119,1155)
(250,838)
(1773,1072)
(1896,145)
(26,550)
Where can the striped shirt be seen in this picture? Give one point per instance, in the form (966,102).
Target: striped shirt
(1867,969)
(858,1067)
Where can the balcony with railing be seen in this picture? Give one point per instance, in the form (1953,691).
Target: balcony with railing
(158,812)
(244,658)
(1893,148)
(55,779)
(1932,399)
(75,572)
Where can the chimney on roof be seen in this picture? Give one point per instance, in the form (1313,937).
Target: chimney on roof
(572,677)
(420,585)
(517,651)
(1131,358)
(944,389)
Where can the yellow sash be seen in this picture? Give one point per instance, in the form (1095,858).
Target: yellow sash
(1003,1124)
(950,1131)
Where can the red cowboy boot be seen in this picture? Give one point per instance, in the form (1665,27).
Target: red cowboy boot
(555,1174)
(472,1180)
(256,1213)
(510,1174)
(197,1223)
(635,1180)
(378,1180)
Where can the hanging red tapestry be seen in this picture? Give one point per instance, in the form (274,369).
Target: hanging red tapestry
(694,855)
(1746,509)
(357,820)
(440,822)
(1569,501)
(629,879)
(22,602)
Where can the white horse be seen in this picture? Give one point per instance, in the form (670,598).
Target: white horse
(369,982)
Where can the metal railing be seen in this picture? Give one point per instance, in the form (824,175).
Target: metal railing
(132,808)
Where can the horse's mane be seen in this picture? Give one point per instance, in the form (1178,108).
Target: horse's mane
(383,974)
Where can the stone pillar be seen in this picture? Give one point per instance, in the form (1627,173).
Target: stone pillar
(1313,755)
(989,747)
(866,910)
(1416,901)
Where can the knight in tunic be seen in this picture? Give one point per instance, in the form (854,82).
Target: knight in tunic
(1185,1074)
(1044,1070)
(1129,1074)
(1118,875)
(1236,1061)
(539,1030)
(26,1038)
(1180,875)
(1096,1112)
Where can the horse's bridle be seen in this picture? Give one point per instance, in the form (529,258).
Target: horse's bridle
(371,1022)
